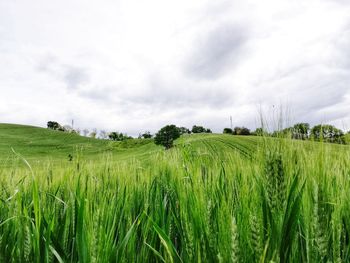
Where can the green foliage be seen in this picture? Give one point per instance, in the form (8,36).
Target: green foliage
(227,131)
(147,135)
(116,136)
(200,129)
(241,131)
(327,133)
(301,131)
(53,125)
(184,130)
(166,136)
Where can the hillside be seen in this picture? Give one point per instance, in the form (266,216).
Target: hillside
(40,143)
(37,142)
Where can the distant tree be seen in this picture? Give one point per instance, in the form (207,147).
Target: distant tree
(85,132)
(301,131)
(77,131)
(241,131)
(327,133)
(53,125)
(184,130)
(146,135)
(227,131)
(200,129)
(166,136)
(116,136)
(237,130)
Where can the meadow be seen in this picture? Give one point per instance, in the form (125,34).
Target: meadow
(211,198)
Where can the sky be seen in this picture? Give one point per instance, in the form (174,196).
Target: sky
(132,66)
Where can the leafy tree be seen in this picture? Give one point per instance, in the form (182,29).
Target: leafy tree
(200,129)
(116,136)
(241,131)
(227,131)
(146,135)
(301,131)
(167,135)
(327,133)
(53,125)
(184,130)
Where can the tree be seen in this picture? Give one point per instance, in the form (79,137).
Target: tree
(167,135)
(116,136)
(328,133)
(53,125)
(184,130)
(301,131)
(146,135)
(200,129)
(227,131)
(241,131)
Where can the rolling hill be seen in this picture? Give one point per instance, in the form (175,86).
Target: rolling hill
(35,143)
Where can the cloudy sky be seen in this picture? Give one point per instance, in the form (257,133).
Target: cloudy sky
(132,65)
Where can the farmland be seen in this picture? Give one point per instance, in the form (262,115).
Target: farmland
(211,198)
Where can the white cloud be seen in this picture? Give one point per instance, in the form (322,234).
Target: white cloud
(137,65)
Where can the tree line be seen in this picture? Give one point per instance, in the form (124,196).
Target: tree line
(160,137)
(169,133)
(299,131)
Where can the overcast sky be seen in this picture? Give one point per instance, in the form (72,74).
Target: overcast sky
(132,65)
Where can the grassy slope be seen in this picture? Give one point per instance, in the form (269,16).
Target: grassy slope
(35,143)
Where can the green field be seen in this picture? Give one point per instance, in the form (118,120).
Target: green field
(211,198)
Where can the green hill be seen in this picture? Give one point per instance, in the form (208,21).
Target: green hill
(35,143)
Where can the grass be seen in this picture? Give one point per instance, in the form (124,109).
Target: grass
(212,198)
